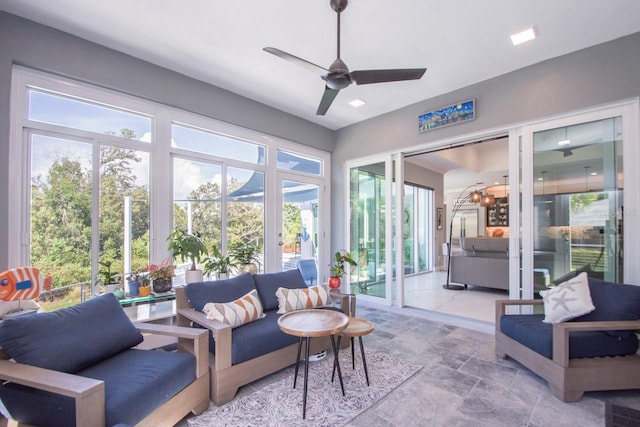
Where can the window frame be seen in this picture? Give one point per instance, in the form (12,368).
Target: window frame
(160,151)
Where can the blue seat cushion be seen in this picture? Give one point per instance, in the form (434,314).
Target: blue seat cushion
(200,293)
(99,327)
(268,284)
(136,383)
(531,331)
(258,338)
(613,301)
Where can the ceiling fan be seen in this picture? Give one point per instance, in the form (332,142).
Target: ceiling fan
(338,77)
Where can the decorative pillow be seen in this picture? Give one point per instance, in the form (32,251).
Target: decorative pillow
(268,284)
(235,313)
(568,300)
(297,299)
(201,293)
(70,339)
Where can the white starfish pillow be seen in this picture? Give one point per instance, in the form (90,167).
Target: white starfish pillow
(568,300)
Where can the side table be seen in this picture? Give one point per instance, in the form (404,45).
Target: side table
(308,324)
(357,327)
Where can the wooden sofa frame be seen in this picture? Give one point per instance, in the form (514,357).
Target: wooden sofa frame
(226,378)
(568,379)
(89,393)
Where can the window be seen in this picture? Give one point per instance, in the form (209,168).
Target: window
(95,183)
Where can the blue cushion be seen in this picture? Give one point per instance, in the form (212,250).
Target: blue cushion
(200,293)
(268,284)
(136,382)
(257,338)
(98,327)
(613,301)
(531,331)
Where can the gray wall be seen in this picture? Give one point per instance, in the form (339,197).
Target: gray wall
(598,75)
(27,43)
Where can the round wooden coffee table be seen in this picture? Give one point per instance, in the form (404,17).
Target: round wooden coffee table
(308,324)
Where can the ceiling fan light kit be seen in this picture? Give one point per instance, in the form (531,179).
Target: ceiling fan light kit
(338,77)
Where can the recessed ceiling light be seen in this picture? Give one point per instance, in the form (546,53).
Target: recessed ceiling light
(357,102)
(523,36)
(541,179)
(564,142)
(594,173)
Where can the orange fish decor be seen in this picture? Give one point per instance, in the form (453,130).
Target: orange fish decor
(22,283)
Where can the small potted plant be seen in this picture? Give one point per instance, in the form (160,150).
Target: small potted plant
(133,283)
(145,286)
(108,278)
(188,247)
(245,256)
(217,263)
(161,275)
(337,269)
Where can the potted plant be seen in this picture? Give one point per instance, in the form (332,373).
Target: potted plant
(133,283)
(337,269)
(161,276)
(188,247)
(217,263)
(245,256)
(108,278)
(145,286)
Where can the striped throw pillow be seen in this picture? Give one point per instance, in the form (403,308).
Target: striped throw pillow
(235,313)
(297,299)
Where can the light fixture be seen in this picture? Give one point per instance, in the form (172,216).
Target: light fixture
(523,36)
(476,195)
(357,102)
(487,200)
(564,142)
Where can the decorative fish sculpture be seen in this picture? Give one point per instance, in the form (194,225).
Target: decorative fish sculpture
(22,283)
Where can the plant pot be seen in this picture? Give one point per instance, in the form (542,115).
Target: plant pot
(191,276)
(248,268)
(222,276)
(111,288)
(161,286)
(144,291)
(334,282)
(134,289)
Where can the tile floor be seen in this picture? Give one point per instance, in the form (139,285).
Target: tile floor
(463,383)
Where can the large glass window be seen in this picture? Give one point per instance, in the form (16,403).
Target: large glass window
(98,186)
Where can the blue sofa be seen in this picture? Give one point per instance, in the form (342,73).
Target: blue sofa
(246,353)
(596,351)
(78,366)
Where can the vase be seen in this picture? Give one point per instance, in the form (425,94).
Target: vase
(134,289)
(144,291)
(191,276)
(334,282)
(161,286)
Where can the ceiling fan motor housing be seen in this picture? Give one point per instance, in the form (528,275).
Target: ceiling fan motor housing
(338,77)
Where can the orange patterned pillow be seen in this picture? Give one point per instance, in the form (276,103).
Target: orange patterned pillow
(235,313)
(297,299)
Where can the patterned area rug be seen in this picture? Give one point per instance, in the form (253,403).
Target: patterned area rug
(278,404)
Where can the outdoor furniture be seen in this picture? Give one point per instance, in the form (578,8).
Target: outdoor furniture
(78,366)
(307,324)
(309,271)
(593,352)
(245,353)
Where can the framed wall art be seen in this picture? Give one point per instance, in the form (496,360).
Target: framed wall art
(450,115)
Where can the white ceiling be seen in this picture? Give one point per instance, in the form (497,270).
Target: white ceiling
(460,42)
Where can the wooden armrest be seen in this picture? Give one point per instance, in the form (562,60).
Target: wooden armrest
(87,392)
(190,340)
(561,334)
(347,301)
(501,306)
(221,335)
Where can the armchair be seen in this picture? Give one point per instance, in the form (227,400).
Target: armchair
(594,352)
(79,366)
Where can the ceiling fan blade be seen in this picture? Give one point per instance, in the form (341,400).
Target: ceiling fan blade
(327,98)
(294,59)
(364,77)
